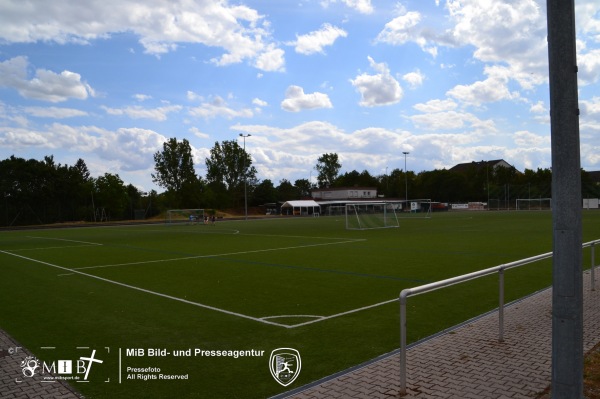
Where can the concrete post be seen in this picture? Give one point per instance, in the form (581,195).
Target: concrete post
(567,298)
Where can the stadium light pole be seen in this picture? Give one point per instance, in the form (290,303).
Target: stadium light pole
(245,178)
(567,274)
(405,177)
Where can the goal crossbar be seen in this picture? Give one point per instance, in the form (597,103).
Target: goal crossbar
(371,215)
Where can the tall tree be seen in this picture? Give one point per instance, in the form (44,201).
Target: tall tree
(111,194)
(303,186)
(229,164)
(328,166)
(174,167)
(264,193)
(286,191)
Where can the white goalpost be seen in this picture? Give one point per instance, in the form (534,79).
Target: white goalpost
(533,204)
(371,215)
(185,216)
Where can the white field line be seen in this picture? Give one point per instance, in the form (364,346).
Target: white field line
(44,248)
(264,320)
(148,291)
(82,244)
(213,255)
(284,316)
(337,314)
(64,239)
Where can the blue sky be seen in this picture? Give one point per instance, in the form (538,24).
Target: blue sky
(448,81)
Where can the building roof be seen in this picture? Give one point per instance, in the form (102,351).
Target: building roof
(464,167)
(300,204)
(343,188)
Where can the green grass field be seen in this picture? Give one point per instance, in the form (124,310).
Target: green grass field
(303,283)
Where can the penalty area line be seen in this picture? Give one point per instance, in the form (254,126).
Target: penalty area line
(201,305)
(323,318)
(64,239)
(212,255)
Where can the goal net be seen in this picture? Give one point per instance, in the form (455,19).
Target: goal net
(185,216)
(371,215)
(534,204)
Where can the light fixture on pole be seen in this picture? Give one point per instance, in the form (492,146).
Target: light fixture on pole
(244,171)
(405,177)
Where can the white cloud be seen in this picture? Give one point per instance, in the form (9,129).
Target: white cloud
(138,112)
(538,108)
(315,41)
(142,97)
(241,32)
(194,96)
(529,139)
(130,148)
(589,67)
(259,103)
(271,59)
(405,28)
(379,89)
(400,29)
(436,106)
(45,85)
(494,88)
(414,79)
(54,112)
(296,100)
(362,6)
(447,120)
(196,132)
(508,33)
(218,108)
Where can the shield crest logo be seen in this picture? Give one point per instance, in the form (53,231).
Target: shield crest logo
(285,365)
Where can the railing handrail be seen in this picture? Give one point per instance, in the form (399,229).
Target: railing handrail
(425,288)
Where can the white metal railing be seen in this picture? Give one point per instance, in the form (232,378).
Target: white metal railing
(422,289)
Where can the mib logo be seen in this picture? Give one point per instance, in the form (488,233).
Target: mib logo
(51,371)
(285,365)
(29,365)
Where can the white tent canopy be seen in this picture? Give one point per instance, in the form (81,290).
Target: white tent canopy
(303,207)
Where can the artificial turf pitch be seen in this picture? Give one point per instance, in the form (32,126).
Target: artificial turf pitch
(209,303)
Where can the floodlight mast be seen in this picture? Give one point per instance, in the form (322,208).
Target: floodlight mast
(567,275)
(245,177)
(405,177)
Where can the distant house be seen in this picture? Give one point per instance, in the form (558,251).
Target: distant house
(344,193)
(492,165)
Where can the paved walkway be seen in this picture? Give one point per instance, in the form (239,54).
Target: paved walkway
(469,362)
(13,385)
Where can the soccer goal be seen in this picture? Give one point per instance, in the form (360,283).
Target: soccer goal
(534,204)
(185,216)
(371,215)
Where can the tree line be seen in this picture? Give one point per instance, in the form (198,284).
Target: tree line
(43,192)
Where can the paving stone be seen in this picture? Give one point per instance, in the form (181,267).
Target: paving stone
(469,362)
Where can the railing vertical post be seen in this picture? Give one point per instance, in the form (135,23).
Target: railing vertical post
(501,305)
(402,344)
(593,249)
